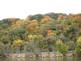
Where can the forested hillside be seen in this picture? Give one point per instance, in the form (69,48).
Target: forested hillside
(47,30)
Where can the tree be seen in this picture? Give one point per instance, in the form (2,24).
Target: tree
(37,17)
(17,45)
(78,47)
(61,47)
(2,53)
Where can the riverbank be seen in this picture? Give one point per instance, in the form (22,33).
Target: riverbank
(39,54)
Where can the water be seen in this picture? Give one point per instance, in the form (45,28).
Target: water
(44,59)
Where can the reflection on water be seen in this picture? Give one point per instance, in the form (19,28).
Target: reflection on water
(44,59)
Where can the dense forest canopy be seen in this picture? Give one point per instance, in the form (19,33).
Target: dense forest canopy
(45,29)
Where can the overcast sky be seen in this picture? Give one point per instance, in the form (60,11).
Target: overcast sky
(23,8)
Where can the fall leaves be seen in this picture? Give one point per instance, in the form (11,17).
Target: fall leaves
(17,43)
(17,24)
(32,27)
(42,28)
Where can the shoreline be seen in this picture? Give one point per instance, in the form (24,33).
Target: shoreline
(41,54)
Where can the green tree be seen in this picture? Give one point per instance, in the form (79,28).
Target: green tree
(61,47)
(78,46)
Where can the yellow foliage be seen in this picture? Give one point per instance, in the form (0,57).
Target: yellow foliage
(79,39)
(34,37)
(18,42)
(59,42)
(30,37)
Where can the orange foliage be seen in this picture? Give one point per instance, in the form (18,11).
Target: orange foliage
(49,32)
(46,19)
(17,24)
(30,29)
(33,26)
(34,23)
(61,17)
(75,16)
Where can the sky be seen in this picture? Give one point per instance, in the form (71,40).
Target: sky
(23,8)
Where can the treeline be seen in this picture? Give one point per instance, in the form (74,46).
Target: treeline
(45,30)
